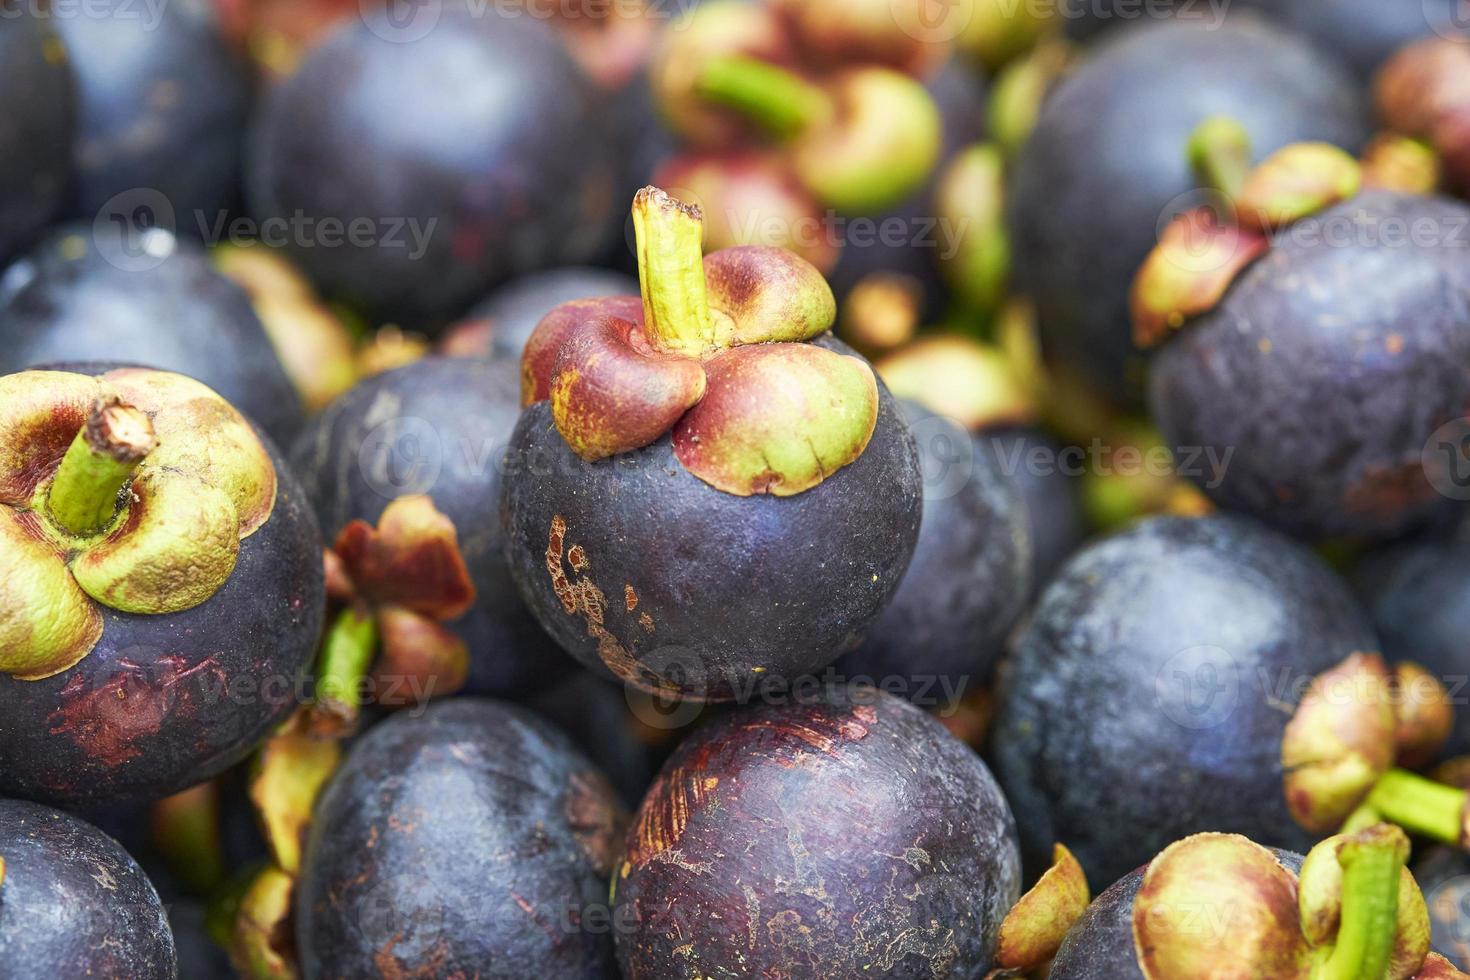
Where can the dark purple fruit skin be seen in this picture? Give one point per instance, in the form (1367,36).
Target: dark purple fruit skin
(594,713)
(164,702)
(468,841)
(1417,596)
(439,426)
(1147,696)
(969,580)
(74,904)
(729,583)
(1106,166)
(1327,368)
(843,835)
(1100,946)
(515,308)
(514,169)
(163,102)
(35,129)
(1050,496)
(68,301)
(1443,875)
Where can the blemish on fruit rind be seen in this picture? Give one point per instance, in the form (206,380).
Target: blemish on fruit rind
(630,597)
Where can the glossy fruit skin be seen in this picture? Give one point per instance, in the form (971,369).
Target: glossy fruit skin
(1106,166)
(1148,695)
(735,590)
(162,103)
(1050,495)
(1100,946)
(462,842)
(514,309)
(514,172)
(75,904)
(1327,367)
(1417,595)
(969,580)
(69,301)
(164,702)
(35,129)
(439,426)
(842,835)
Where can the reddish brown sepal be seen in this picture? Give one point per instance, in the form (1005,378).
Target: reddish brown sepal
(1424,91)
(412,559)
(612,393)
(1424,715)
(339,584)
(538,360)
(1188,272)
(419,659)
(1436,967)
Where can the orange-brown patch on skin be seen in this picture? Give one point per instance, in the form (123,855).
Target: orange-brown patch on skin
(538,360)
(768,295)
(1034,928)
(664,815)
(1188,272)
(630,597)
(41,412)
(646,621)
(596,820)
(418,659)
(412,560)
(1338,742)
(1424,715)
(611,393)
(578,558)
(1218,905)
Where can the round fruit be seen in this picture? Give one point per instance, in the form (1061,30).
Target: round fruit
(447,195)
(500,325)
(162,103)
(438,427)
(1150,694)
(163,594)
(74,904)
(847,835)
(36,129)
(89,294)
(470,841)
(1106,165)
(1049,495)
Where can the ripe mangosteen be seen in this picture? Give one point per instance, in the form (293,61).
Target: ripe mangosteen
(1106,164)
(1328,390)
(448,196)
(704,491)
(501,324)
(162,104)
(437,428)
(842,835)
(1161,688)
(164,593)
(74,904)
(102,293)
(1049,495)
(37,132)
(473,840)
(969,580)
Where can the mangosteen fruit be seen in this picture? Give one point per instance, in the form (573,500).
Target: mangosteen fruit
(704,491)
(1328,365)
(436,429)
(940,638)
(74,904)
(500,325)
(1179,677)
(36,132)
(162,104)
(842,833)
(472,840)
(1049,495)
(164,591)
(431,201)
(102,293)
(1106,165)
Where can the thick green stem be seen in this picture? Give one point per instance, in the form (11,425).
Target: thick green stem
(345,660)
(773,98)
(670,243)
(100,461)
(1421,806)
(1220,155)
(1372,864)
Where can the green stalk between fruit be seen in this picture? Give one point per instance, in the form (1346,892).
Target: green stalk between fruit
(670,244)
(1421,806)
(1372,864)
(348,653)
(1220,155)
(780,102)
(98,464)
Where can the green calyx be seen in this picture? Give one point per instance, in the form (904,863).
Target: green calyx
(669,238)
(185,829)
(99,463)
(346,657)
(1421,805)
(970,201)
(780,102)
(1220,155)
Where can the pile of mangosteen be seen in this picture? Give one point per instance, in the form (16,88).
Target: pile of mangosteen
(789,489)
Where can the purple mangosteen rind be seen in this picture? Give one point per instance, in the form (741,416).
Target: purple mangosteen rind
(37,145)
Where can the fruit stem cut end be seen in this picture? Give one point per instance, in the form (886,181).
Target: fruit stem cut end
(1220,155)
(98,464)
(1421,805)
(1372,864)
(780,102)
(345,659)
(670,245)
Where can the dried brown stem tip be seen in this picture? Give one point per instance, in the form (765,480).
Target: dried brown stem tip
(100,461)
